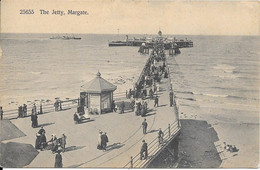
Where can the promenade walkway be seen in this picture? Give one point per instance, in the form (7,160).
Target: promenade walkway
(124,132)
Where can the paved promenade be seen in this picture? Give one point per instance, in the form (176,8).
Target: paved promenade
(124,132)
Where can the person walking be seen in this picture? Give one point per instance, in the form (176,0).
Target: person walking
(171,98)
(41,112)
(76,118)
(38,141)
(113,106)
(151,93)
(35,120)
(137,108)
(143,110)
(1,112)
(144,124)
(20,111)
(156,101)
(132,104)
(58,160)
(122,107)
(32,119)
(24,110)
(104,140)
(41,131)
(160,136)
(63,142)
(34,109)
(56,105)
(43,141)
(145,107)
(144,151)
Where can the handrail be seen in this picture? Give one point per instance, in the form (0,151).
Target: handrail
(46,108)
(152,147)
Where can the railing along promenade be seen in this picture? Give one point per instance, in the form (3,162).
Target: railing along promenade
(49,107)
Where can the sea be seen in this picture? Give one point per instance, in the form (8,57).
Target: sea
(219,74)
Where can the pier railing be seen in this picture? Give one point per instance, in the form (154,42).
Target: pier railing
(49,107)
(154,146)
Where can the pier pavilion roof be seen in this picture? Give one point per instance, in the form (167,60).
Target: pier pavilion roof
(98,85)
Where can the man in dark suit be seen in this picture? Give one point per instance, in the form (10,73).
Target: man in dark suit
(144,151)
(122,107)
(144,124)
(171,98)
(156,101)
(104,140)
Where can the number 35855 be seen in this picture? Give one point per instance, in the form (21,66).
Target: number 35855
(26,11)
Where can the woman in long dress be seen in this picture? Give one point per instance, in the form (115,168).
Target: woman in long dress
(38,141)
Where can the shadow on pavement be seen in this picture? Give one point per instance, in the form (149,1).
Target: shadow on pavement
(152,131)
(115,146)
(86,121)
(73,148)
(45,124)
(150,114)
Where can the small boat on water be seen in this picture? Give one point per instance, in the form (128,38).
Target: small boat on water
(117,43)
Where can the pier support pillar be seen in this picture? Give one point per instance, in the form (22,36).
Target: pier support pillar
(131,162)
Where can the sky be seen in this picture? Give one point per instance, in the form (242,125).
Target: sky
(133,17)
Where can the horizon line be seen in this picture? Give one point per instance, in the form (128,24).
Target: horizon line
(132,34)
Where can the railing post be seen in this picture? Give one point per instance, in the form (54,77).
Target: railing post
(169,130)
(78,101)
(131,162)
(60,105)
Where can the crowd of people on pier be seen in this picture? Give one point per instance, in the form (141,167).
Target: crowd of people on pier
(56,145)
(53,144)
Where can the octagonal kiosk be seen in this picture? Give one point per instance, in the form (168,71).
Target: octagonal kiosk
(98,95)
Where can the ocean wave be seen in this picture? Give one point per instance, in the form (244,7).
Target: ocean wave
(187,105)
(235,89)
(186,92)
(211,95)
(239,97)
(225,96)
(190,99)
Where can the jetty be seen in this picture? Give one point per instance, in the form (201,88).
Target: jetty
(150,42)
(124,130)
